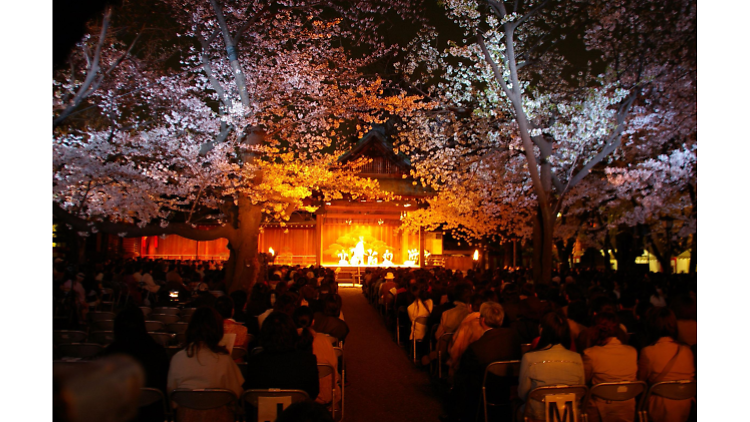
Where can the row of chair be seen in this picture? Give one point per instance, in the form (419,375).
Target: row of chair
(214,398)
(569,403)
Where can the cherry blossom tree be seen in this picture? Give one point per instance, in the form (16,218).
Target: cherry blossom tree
(510,72)
(238,124)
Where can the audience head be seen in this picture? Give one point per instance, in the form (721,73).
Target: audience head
(555,330)
(278,333)
(303,317)
(224,306)
(205,329)
(606,324)
(130,325)
(492,314)
(661,322)
(331,307)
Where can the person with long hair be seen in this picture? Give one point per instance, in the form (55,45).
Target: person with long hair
(131,338)
(665,359)
(286,362)
(609,360)
(321,348)
(203,363)
(551,363)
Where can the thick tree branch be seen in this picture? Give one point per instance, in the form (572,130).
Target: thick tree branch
(132,230)
(91,72)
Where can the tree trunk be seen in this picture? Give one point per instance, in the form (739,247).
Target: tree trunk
(544,226)
(694,254)
(244,264)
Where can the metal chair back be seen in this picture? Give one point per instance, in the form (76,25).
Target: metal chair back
(67,336)
(168,310)
(673,390)
(177,327)
(214,404)
(526,347)
(187,312)
(165,318)
(150,396)
(507,368)
(280,400)
(103,325)
(98,316)
(561,402)
(163,339)
(342,380)
(79,350)
(324,370)
(102,337)
(256,350)
(146,311)
(155,326)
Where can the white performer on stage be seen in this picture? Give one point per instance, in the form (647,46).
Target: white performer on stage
(358,253)
(387,256)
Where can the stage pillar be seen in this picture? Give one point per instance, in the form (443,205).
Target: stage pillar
(318,239)
(421,247)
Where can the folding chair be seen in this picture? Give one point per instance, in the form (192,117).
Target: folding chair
(334,341)
(146,311)
(150,396)
(401,316)
(673,390)
(256,350)
(67,336)
(506,369)
(155,326)
(177,327)
(324,370)
(526,347)
(102,337)
(205,400)
(561,402)
(99,316)
(103,325)
(107,299)
(238,353)
(442,351)
(79,350)
(423,321)
(187,311)
(342,379)
(269,404)
(615,391)
(167,310)
(162,338)
(165,318)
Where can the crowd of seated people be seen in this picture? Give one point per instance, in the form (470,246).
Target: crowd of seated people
(582,328)
(289,341)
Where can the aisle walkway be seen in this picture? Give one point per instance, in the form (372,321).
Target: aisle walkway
(383,383)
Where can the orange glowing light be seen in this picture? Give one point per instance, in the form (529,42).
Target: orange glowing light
(270,250)
(476,255)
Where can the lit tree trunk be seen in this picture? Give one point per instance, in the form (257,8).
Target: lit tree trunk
(244,265)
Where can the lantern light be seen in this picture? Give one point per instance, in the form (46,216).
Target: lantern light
(270,250)
(476,255)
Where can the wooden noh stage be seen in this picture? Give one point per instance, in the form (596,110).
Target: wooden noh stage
(339,229)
